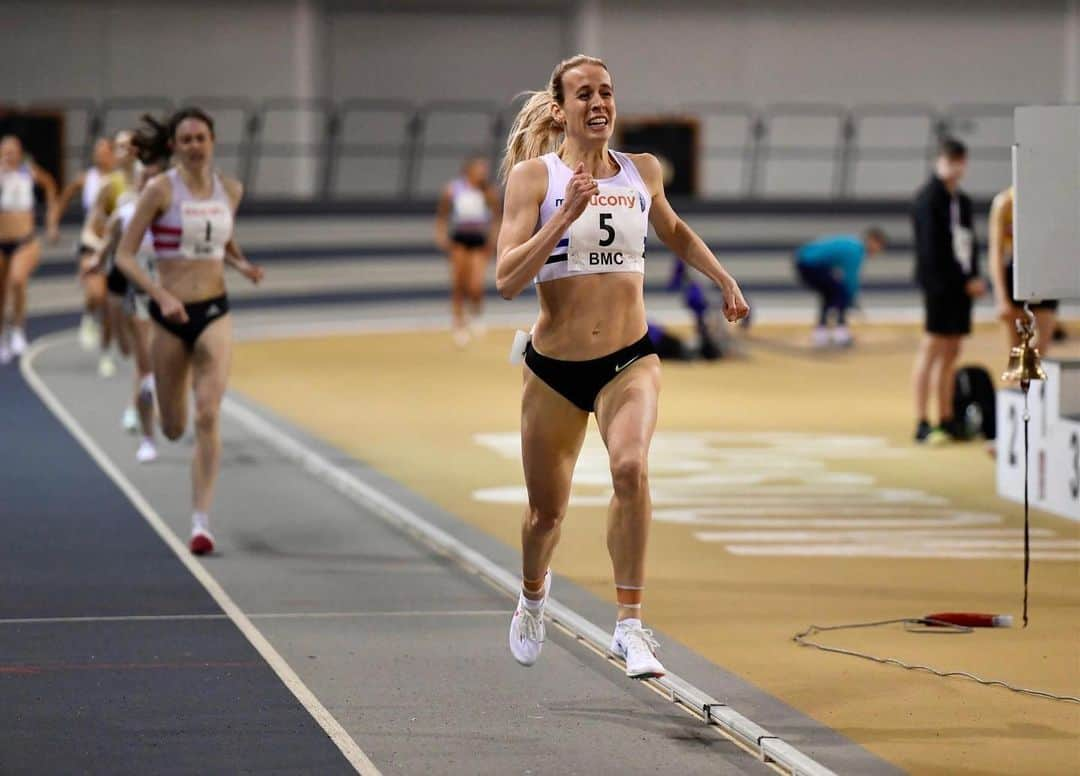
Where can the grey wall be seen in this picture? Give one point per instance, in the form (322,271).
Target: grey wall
(847,52)
(662,54)
(761,51)
(120,48)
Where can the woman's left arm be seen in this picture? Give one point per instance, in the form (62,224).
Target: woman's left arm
(235,257)
(684,242)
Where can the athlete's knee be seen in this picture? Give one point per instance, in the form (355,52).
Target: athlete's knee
(629,473)
(542,519)
(206,416)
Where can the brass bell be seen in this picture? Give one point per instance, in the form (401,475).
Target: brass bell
(1024,362)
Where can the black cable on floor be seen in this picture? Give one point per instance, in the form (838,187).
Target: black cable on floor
(917,625)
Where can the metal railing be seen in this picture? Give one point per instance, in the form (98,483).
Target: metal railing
(320,149)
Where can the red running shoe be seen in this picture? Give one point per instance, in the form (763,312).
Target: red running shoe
(202,543)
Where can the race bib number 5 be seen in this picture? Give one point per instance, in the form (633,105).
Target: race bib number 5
(205,229)
(610,235)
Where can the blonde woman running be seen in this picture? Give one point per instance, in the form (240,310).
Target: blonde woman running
(20,248)
(575,220)
(117,189)
(131,318)
(189,211)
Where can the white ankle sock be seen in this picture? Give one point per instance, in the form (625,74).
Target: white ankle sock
(531,605)
(200,521)
(629,622)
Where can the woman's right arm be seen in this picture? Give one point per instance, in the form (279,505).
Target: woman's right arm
(521,253)
(113,232)
(153,201)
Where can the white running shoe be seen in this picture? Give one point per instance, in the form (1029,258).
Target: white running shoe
(527,628)
(841,337)
(18,341)
(106,367)
(5,352)
(130,420)
(146,453)
(819,337)
(637,647)
(88,332)
(461,337)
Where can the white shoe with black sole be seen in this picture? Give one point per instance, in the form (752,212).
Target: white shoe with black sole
(636,645)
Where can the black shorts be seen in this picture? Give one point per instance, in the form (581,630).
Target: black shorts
(200,315)
(8,247)
(470,240)
(1045,304)
(117,282)
(580,382)
(948,314)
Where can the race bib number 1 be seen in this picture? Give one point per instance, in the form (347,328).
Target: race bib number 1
(610,235)
(205,229)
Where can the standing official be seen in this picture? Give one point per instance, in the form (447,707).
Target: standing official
(947,271)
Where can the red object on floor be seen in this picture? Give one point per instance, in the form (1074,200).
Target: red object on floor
(201,544)
(972,619)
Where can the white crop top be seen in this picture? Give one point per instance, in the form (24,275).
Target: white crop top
(610,235)
(17,190)
(195,229)
(92,181)
(125,213)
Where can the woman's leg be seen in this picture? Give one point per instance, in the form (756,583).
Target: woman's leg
(459,277)
(626,413)
(210,367)
(120,323)
(552,432)
(478,260)
(5,271)
(23,263)
(144,375)
(171,360)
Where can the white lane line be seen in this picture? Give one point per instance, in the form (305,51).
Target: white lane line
(110,618)
(349,748)
(250,615)
(350,615)
(747,733)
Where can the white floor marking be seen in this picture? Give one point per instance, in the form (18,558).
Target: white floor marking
(786,494)
(353,753)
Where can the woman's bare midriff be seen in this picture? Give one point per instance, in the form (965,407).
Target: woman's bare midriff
(192,280)
(16,225)
(590,316)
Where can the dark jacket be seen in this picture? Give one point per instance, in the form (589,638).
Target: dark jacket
(937,270)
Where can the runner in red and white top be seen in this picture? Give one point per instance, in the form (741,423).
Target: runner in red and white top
(190,212)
